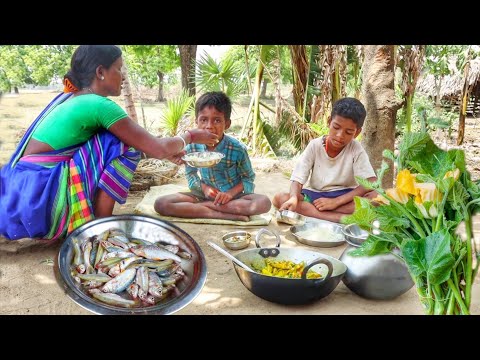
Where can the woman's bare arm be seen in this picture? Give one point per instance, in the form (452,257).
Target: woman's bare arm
(134,135)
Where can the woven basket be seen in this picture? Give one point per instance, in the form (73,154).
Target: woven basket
(152,172)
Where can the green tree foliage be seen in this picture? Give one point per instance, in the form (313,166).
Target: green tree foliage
(148,64)
(48,63)
(225,75)
(13,70)
(237,52)
(33,64)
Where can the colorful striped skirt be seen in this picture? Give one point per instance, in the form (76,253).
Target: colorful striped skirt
(49,195)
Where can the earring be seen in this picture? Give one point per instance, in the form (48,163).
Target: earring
(102,78)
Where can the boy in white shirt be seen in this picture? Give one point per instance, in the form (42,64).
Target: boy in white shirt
(330,163)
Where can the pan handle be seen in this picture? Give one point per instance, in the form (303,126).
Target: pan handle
(315,262)
(268,232)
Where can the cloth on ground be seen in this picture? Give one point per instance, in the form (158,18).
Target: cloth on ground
(145,207)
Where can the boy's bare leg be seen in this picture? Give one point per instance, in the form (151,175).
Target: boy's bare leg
(349,208)
(279,199)
(185,206)
(307,209)
(251,204)
(103,205)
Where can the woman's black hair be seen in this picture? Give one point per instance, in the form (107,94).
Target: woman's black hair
(85,61)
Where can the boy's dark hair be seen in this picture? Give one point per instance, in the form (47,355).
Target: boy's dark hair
(86,59)
(350,108)
(219,100)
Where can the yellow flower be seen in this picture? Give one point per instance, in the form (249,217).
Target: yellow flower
(381,200)
(455,174)
(398,195)
(405,182)
(427,192)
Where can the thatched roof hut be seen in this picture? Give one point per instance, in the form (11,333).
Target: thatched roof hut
(451,87)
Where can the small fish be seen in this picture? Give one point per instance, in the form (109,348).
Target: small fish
(112,299)
(153,252)
(121,282)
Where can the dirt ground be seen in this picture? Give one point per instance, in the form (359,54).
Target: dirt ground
(28,284)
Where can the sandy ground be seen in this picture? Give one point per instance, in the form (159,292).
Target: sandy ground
(28,284)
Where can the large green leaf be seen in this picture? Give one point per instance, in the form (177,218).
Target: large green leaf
(412,145)
(430,256)
(364,213)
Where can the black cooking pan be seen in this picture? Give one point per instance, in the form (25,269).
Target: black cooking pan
(285,290)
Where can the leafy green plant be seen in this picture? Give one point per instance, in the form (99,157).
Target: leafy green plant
(176,109)
(426,116)
(420,216)
(219,76)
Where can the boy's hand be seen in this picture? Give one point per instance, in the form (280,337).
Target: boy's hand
(290,204)
(209,192)
(323,204)
(222,198)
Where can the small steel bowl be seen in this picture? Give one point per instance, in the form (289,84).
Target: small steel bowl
(203,159)
(290,217)
(354,234)
(237,240)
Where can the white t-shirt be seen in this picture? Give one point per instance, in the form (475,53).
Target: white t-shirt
(330,174)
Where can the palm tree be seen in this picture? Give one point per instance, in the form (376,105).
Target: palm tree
(223,76)
(175,111)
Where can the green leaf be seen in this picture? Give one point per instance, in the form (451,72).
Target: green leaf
(388,154)
(412,252)
(438,257)
(372,246)
(390,218)
(458,197)
(380,173)
(412,145)
(366,183)
(431,256)
(363,215)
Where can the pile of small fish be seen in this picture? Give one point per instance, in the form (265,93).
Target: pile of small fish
(127,272)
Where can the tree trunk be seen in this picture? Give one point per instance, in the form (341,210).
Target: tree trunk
(438,87)
(463,107)
(247,67)
(378,96)
(160,86)
(127,95)
(263,93)
(188,54)
(15,90)
(298,54)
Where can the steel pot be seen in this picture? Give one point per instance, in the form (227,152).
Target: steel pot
(380,277)
(284,290)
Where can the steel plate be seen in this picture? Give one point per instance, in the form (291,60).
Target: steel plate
(319,233)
